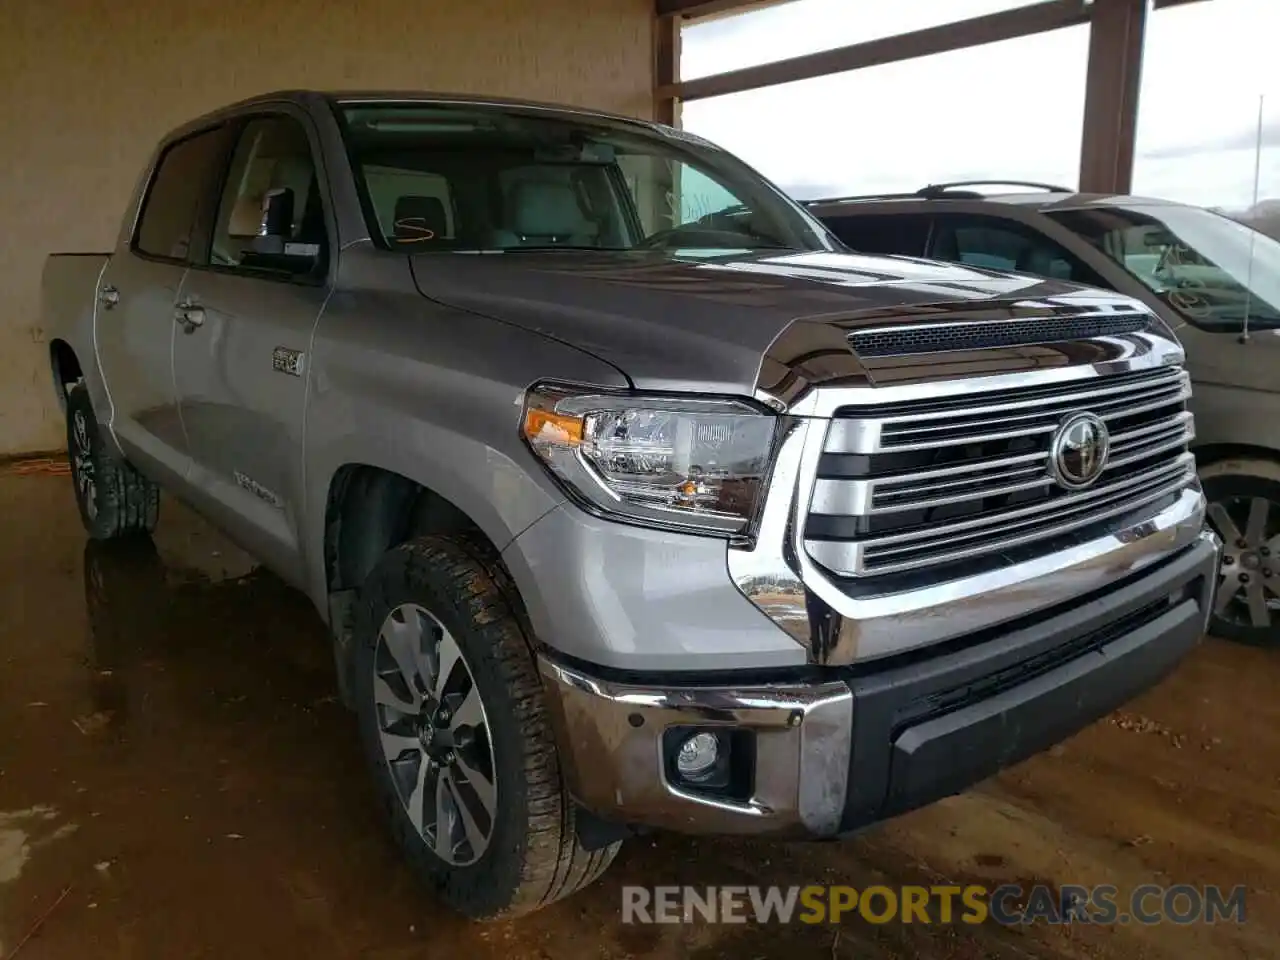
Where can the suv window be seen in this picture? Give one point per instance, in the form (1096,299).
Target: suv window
(181,180)
(1004,245)
(272,167)
(904,234)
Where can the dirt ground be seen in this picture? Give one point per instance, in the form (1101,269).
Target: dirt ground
(177,781)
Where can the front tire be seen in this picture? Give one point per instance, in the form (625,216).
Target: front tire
(1244,509)
(114,499)
(456,731)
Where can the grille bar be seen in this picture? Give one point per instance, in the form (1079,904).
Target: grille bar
(1003,419)
(984,479)
(1015,528)
(909,486)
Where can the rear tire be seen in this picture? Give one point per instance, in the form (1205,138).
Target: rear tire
(114,499)
(441,598)
(1244,509)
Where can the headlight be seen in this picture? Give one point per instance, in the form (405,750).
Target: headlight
(653,459)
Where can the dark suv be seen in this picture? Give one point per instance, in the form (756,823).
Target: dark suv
(1215,281)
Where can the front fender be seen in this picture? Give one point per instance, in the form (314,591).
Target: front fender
(435,397)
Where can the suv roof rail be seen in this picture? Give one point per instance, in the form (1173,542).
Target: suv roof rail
(938,189)
(935,190)
(863,196)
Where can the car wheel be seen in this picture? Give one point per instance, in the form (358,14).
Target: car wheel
(114,499)
(1244,509)
(455,728)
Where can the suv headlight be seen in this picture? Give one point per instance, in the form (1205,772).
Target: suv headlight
(659,460)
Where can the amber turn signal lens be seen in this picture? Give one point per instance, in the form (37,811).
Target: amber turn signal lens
(547,426)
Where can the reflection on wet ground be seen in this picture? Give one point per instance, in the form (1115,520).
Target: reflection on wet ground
(177,780)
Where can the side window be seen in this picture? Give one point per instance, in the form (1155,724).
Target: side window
(1004,245)
(882,233)
(182,177)
(271,216)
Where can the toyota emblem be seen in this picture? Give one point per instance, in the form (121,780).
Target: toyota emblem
(1078,454)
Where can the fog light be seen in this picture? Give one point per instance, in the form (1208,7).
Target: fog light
(697,757)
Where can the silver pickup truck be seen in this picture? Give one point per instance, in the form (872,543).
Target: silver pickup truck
(631,501)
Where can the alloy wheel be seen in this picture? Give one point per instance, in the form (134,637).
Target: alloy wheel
(435,735)
(1249,578)
(82,464)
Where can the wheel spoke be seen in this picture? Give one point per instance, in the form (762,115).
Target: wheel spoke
(403,641)
(467,712)
(1228,587)
(444,818)
(1259,614)
(416,802)
(447,657)
(396,745)
(1259,507)
(1227,528)
(385,696)
(481,786)
(476,838)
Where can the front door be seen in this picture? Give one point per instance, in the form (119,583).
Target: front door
(136,297)
(247,310)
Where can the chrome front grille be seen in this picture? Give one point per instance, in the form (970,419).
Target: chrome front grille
(919,485)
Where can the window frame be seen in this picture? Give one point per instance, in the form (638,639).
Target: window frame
(195,241)
(320,275)
(984,218)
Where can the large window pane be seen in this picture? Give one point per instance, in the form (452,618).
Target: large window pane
(808,26)
(1209,111)
(1010,109)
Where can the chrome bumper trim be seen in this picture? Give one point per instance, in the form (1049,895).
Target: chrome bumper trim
(611,751)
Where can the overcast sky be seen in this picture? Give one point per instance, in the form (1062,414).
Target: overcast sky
(1011,109)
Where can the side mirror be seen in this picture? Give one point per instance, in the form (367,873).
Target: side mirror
(276,224)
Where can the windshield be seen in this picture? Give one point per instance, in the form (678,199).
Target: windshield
(1213,270)
(440,177)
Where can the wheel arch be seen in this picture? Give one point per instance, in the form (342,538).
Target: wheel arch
(66,368)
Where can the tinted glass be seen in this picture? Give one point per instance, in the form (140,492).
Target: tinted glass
(272,162)
(904,234)
(1004,245)
(181,181)
(1218,273)
(439,178)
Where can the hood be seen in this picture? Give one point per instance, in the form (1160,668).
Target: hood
(703,324)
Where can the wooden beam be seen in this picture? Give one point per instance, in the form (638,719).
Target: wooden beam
(666,69)
(1111,95)
(1007,25)
(705,8)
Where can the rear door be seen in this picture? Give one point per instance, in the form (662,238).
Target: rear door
(249,306)
(135,321)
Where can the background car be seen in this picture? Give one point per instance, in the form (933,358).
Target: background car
(1214,280)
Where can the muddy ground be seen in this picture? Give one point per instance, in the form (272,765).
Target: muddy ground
(177,781)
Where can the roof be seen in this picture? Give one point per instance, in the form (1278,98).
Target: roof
(1037,199)
(305,97)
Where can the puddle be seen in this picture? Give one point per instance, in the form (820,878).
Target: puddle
(16,841)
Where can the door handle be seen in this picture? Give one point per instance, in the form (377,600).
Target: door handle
(108,296)
(189,316)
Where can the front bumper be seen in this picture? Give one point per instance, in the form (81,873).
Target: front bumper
(836,749)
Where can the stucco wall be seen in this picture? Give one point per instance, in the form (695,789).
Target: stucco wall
(87,86)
